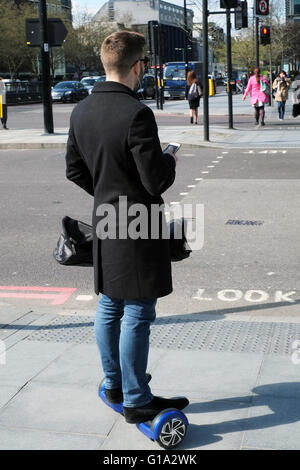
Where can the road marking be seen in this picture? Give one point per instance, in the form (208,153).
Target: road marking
(84,298)
(174,202)
(215,161)
(191,186)
(225,152)
(188,154)
(62,295)
(220,158)
(198,179)
(204,172)
(210,166)
(199,295)
(251,295)
(184,194)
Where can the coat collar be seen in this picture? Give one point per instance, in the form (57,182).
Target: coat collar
(113,87)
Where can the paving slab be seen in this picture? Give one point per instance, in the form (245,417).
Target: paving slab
(285,382)
(62,408)
(206,373)
(7,392)
(27,439)
(273,423)
(26,359)
(24,327)
(81,365)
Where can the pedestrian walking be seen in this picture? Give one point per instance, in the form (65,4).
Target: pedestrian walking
(281,85)
(259,89)
(295,86)
(244,81)
(3,104)
(117,157)
(194,95)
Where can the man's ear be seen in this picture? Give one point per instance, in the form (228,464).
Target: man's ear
(136,68)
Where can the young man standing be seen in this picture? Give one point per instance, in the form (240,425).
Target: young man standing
(115,155)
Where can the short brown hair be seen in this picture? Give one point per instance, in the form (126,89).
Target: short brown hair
(120,50)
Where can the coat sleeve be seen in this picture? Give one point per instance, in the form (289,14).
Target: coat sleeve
(248,88)
(156,169)
(76,168)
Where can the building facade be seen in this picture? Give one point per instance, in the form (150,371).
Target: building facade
(139,12)
(292,9)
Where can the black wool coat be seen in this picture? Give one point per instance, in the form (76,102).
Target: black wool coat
(113,150)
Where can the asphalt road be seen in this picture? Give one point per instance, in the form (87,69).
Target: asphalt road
(245,264)
(31,117)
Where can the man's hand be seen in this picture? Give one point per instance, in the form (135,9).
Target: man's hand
(244,97)
(170,152)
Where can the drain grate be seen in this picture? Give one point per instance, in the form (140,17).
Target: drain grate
(187,333)
(244,222)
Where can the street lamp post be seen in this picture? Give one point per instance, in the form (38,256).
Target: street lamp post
(205,70)
(185,40)
(47,101)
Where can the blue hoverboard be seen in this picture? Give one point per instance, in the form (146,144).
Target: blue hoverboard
(168,428)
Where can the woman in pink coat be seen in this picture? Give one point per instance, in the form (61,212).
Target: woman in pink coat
(258,97)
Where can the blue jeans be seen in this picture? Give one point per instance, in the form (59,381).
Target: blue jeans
(124,346)
(281,109)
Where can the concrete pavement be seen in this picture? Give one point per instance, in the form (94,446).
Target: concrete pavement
(241,376)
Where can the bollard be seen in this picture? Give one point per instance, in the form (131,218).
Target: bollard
(211,87)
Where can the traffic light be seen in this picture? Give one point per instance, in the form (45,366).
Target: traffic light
(228,3)
(153,27)
(56,32)
(265,37)
(262,7)
(241,15)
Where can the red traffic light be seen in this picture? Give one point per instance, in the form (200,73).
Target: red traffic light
(265,36)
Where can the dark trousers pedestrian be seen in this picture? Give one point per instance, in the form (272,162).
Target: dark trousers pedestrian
(259,112)
(4,116)
(281,109)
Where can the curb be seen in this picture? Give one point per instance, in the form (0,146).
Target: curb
(32,145)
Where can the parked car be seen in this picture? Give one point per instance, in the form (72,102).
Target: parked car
(102,78)
(89,83)
(69,92)
(11,85)
(147,89)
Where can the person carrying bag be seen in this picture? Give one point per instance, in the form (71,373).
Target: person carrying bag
(281,84)
(194,95)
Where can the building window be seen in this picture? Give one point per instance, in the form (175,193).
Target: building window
(297,7)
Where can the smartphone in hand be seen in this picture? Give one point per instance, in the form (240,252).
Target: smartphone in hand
(173,146)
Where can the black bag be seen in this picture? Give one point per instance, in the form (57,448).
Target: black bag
(179,248)
(75,244)
(296,110)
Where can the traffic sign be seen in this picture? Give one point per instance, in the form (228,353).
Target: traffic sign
(57,32)
(262,7)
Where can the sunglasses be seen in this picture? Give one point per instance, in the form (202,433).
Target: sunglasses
(144,59)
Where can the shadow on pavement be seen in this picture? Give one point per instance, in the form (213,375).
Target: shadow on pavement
(266,395)
(208,315)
